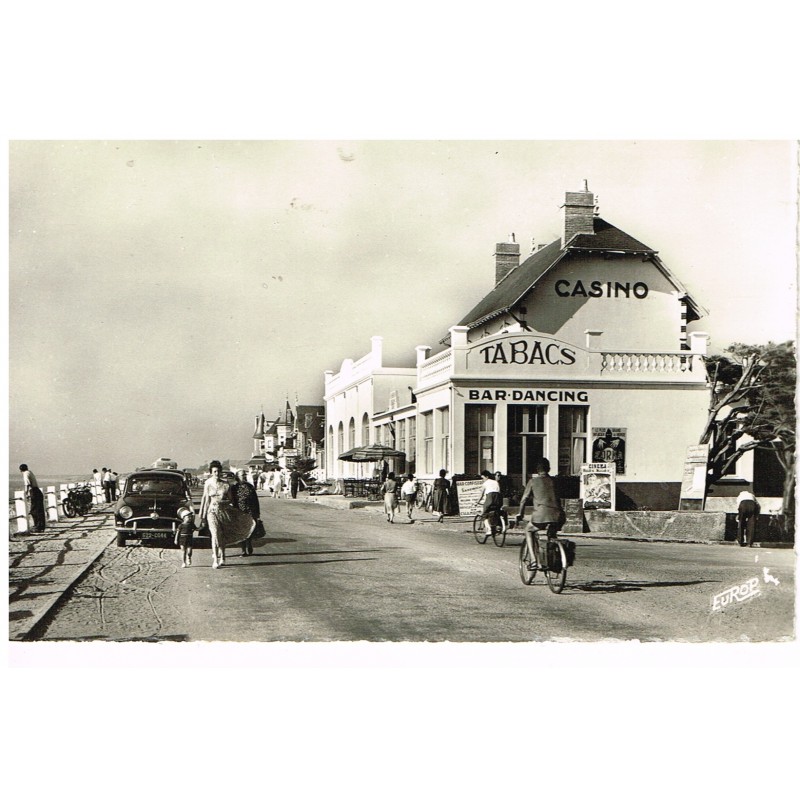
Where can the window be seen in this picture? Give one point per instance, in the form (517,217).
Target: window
(478,438)
(572,439)
(412,444)
(427,432)
(526,441)
(351,434)
(365,430)
(341,438)
(444,447)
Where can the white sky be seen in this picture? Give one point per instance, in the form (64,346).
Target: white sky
(163,292)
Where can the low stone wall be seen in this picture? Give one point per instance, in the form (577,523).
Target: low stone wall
(679,526)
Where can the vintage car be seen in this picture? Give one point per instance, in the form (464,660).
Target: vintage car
(152,505)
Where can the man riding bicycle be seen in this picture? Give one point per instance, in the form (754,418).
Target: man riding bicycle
(547,513)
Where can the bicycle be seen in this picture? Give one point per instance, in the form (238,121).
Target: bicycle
(554,564)
(498,533)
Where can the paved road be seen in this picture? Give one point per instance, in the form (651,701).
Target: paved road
(326,574)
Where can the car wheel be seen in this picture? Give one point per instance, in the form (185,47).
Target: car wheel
(120,539)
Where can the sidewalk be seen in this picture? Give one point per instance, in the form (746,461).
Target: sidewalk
(42,566)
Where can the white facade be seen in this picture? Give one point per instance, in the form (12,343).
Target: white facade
(580,350)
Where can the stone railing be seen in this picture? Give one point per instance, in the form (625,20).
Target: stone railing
(647,362)
(435,368)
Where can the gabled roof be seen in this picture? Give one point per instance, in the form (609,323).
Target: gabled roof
(520,280)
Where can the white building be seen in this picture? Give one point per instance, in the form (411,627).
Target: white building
(580,352)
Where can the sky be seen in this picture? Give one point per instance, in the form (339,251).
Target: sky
(164,292)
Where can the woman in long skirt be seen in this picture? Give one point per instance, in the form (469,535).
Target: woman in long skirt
(389,492)
(226,523)
(440,496)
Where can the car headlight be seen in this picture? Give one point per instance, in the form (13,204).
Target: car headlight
(126,512)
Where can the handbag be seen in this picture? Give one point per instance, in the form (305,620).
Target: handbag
(258,531)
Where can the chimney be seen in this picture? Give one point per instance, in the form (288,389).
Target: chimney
(578,214)
(506,258)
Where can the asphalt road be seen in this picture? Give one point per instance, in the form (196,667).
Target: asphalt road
(325,574)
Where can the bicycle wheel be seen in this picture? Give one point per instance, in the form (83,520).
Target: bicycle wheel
(525,572)
(68,508)
(499,533)
(557,579)
(479,530)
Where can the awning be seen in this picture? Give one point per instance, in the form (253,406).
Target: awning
(373,452)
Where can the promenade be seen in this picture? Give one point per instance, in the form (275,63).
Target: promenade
(42,566)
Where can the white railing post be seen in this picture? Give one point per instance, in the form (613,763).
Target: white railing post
(52,504)
(21,508)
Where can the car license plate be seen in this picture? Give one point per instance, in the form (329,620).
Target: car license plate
(162,534)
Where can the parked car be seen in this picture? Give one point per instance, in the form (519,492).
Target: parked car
(152,505)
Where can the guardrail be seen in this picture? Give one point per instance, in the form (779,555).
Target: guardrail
(19,514)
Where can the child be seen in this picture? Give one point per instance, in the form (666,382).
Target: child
(183,537)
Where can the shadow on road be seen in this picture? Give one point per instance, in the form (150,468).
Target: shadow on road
(628,586)
(271,563)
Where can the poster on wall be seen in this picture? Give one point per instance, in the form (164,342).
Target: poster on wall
(598,486)
(693,485)
(469,493)
(608,446)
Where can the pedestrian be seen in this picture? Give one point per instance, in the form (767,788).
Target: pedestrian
(244,497)
(183,537)
(295,479)
(35,497)
(747,517)
(491,502)
(113,485)
(277,483)
(227,524)
(409,493)
(440,496)
(546,514)
(505,486)
(389,492)
(107,484)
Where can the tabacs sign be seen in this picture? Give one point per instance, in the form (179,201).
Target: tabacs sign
(526,351)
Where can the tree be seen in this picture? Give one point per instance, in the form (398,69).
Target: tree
(753,395)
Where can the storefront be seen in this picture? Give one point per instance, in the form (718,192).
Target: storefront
(579,354)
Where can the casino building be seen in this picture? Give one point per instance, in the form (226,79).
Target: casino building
(580,353)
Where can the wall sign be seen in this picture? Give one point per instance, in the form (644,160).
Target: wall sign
(638,290)
(608,446)
(527,351)
(598,486)
(530,395)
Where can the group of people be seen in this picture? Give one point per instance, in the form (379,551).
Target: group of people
(277,482)
(108,480)
(231,513)
(408,492)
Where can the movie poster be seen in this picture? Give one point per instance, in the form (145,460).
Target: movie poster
(608,446)
(598,485)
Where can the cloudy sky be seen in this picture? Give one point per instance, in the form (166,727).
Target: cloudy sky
(163,292)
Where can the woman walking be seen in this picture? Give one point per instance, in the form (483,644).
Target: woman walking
(440,496)
(35,496)
(389,492)
(244,497)
(227,524)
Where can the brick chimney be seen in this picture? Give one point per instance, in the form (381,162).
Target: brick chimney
(506,258)
(578,214)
